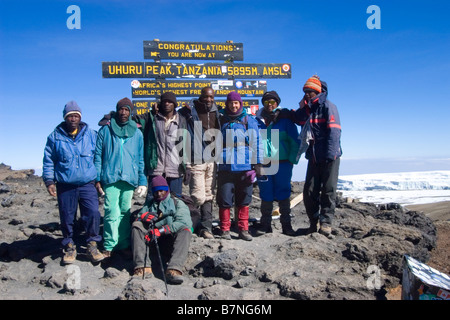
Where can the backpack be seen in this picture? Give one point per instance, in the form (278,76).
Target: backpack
(195,212)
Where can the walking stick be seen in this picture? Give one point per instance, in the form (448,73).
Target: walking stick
(155,239)
(145,262)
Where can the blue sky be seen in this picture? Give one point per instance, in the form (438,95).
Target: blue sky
(390,85)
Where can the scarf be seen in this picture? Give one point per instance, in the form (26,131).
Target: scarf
(229,117)
(269,116)
(123,130)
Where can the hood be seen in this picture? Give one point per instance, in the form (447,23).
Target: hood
(201,107)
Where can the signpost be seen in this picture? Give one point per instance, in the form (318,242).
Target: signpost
(227,51)
(191,78)
(142,106)
(206,70)
(192,88)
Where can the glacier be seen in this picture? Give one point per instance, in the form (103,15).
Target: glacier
(404,187)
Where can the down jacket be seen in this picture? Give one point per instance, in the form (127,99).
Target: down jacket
(287,146)
(241,142)
(68,160)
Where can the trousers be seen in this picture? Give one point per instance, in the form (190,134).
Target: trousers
(178,243)
(116,222)
(233,189)
(69,198)
(319,191)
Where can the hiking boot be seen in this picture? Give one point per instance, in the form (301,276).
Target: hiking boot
(225,235)
(93,253)
(287,229)
(312,227)
(174,276)
(325,229)
(263,229)
(289,232)
(206,234)
(143,272)
(245,235)
(106,254)
(70,254)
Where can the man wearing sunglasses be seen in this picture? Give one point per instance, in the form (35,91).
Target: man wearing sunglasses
(277,187)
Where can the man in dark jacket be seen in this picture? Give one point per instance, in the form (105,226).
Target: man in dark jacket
(69,174)
(323,154)
(165,124)
(200,173)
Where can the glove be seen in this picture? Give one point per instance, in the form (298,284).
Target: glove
(141,191)
(250,176)
(187,176)
(148,217)
(156,233)
(150,236)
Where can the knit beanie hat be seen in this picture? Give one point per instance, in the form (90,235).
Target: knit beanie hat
(159,183)
(313,83)
(271,95)
(234,96)
(70,108)
(125,102)
(169,96)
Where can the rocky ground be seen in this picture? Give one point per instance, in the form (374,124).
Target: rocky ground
(362,260)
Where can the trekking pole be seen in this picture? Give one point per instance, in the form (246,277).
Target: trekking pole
(155,239)
(145,261)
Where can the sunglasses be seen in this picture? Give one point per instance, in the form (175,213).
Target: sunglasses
(267,102)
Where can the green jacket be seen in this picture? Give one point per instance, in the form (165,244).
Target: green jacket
(288,142)
(146,123)
(176,217)
(118,159)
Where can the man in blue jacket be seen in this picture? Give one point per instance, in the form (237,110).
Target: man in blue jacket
(69,174)
(323,154)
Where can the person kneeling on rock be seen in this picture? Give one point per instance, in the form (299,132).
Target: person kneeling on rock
(162,218)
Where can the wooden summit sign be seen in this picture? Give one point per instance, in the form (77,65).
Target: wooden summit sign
(193,50)
(207,70)
(192,88)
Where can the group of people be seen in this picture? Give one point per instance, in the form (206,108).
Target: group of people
(219,153)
